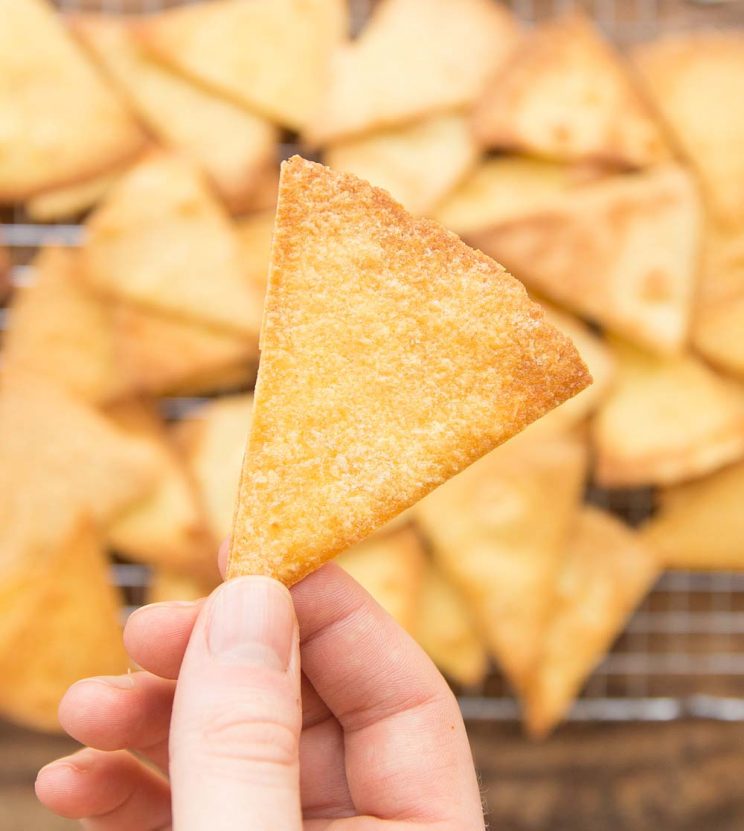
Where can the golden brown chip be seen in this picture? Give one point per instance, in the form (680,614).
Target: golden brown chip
(666,420)
(264,194)
(567,95)
(60,121)
(417,164)
(166,586)
(161,240)
(59,622)
(606,572)
(412,60)
(390,568)
(392,356)
(621,250)
(58,328)
(700,525)
(499,531)
(270,56)
(445,627)
(696,79)
(231,145)
(167,527)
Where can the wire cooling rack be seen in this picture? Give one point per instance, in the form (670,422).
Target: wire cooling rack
(682,653)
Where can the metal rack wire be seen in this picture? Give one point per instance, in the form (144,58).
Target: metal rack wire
(682,653)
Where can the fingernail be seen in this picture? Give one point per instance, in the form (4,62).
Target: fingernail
(251,621)
(79,762)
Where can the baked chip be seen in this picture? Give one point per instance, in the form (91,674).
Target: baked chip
(59,121)
(700,525)
(621,250)
(567,95)
(413,60)
(666,420)
(59,622)
(390,568)
(696,79)
(607,571)
(59,329)
(230,144)
(392,356)
(499,532)
(162,241)
(445,628)
(270,56)
(417,164)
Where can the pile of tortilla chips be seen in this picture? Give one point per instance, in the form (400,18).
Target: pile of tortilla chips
(393,356)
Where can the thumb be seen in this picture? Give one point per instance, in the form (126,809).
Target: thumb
(236,723)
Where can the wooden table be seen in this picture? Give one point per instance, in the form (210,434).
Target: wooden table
(682,776)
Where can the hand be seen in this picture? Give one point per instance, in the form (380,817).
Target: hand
(367,737)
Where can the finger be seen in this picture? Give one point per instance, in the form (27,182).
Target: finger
(156,635)
(121,712)
(407,754)
(111,791)
(324,788)
(236,722)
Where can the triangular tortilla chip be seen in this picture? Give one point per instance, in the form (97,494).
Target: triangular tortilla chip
(499,531)
(392,356)
(166,528)
(413,59)
(168,356)
(65,626)
(417,164)
(69,201)
(607,571)
(696,79)
(271,56)
(60,122)
(255,233)
(58,328)
(161,240)
(390,568)
(213,440)
(566,95)
(445,628)
(666,420)
(700,525)
(60,459)
(167,586)
(622,250)
(230,144)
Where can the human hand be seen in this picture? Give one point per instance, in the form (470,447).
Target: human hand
(367,737)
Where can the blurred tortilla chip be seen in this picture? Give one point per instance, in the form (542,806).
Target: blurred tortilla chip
(166,586)
(60,121)
(567,95)
(392,356)
(666,420)
(264,194)
(607,571)
(255,233)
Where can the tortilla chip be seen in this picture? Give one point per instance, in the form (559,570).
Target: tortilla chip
(666,420)
(499,532)
(417,164)
(213,440)
(390,568)
(58,328)
(255,233)
(270,56)
(65,626)
(230,144)
(69,201)
(162,241)
(60,122)
(700,525)
(680,71)
(413,60)
(59,460)
(392,356)
(167,586)
(166,528)
(621,250)
(445,628)
(168,356)
(567,95)
(264,194)
(607,571)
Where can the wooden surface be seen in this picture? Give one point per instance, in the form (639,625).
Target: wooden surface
(682,776)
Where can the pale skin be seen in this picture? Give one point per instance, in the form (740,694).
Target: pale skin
(304,711)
